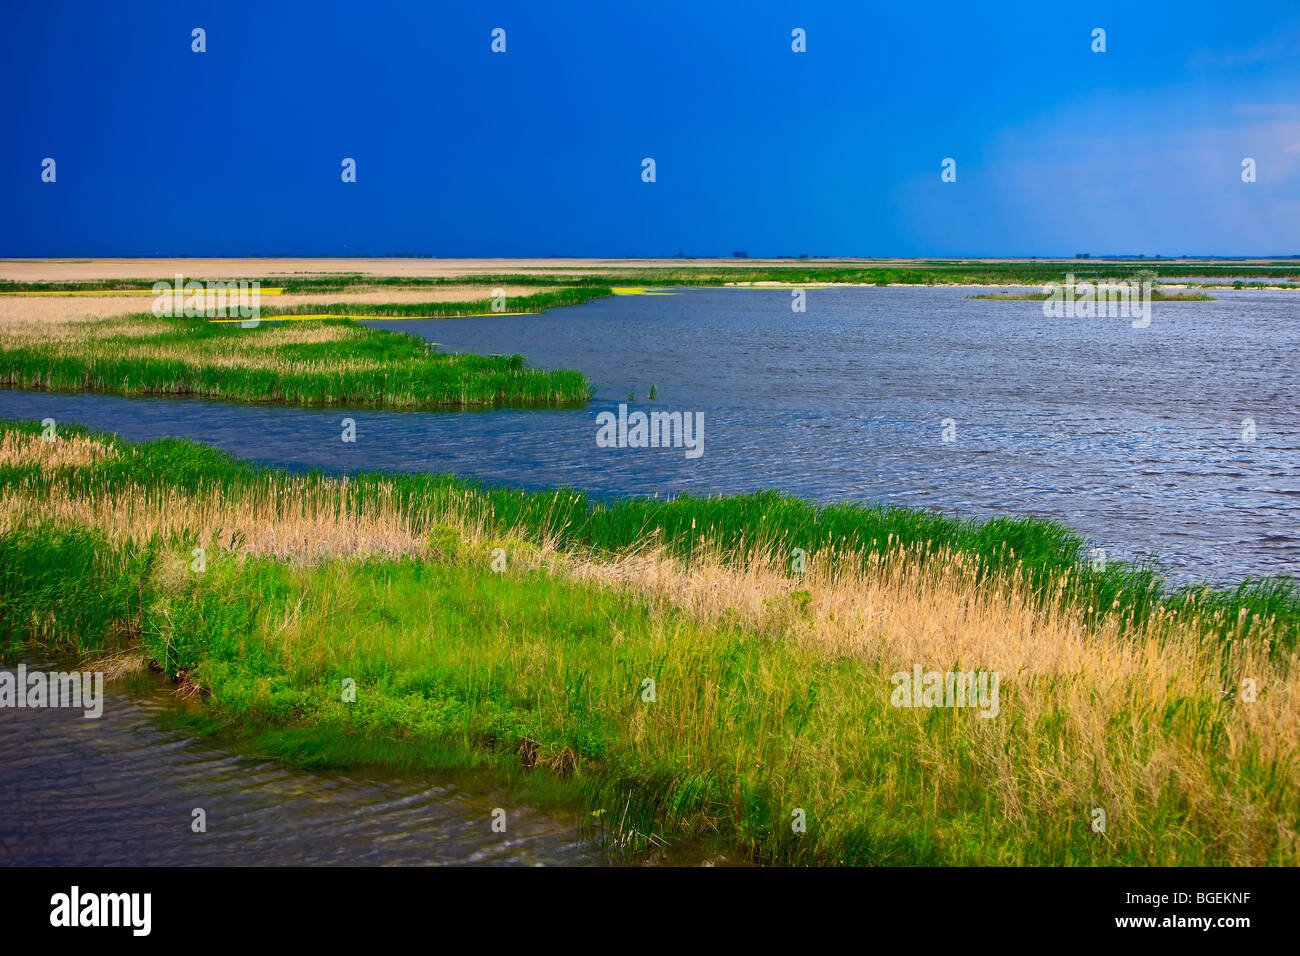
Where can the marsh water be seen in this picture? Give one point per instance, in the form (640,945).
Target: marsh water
(1179,442)
(121,789)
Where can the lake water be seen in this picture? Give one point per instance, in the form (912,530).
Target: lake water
(1135,437)
(121,790)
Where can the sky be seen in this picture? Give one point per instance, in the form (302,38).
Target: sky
(538,151)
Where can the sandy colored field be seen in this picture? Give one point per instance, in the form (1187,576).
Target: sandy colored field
(71,270)
(24,311)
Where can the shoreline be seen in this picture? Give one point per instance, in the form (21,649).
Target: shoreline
(535,671)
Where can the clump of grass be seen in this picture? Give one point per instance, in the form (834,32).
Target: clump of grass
(330,362)
(540,302)
(67,592)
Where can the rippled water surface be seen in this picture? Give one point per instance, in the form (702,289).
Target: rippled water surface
(120,790)
(1132,436)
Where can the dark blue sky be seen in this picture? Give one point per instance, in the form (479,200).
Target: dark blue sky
(463,152)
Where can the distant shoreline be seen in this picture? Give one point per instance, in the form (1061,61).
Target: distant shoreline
(110,268)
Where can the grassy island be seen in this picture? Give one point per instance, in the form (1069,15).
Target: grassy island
(328,361)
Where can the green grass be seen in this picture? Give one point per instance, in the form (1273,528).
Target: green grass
(458,669)
(1156,296)
(539,302)
(357,367)
(540,682)
(922,273)
(741,526)
(520,673)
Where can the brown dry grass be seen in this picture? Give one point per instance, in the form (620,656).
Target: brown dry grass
(62,452)
(896,607)
(286,529)
(28,314)
(133,338)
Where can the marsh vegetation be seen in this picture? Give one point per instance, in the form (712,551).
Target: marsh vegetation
(1175,710)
